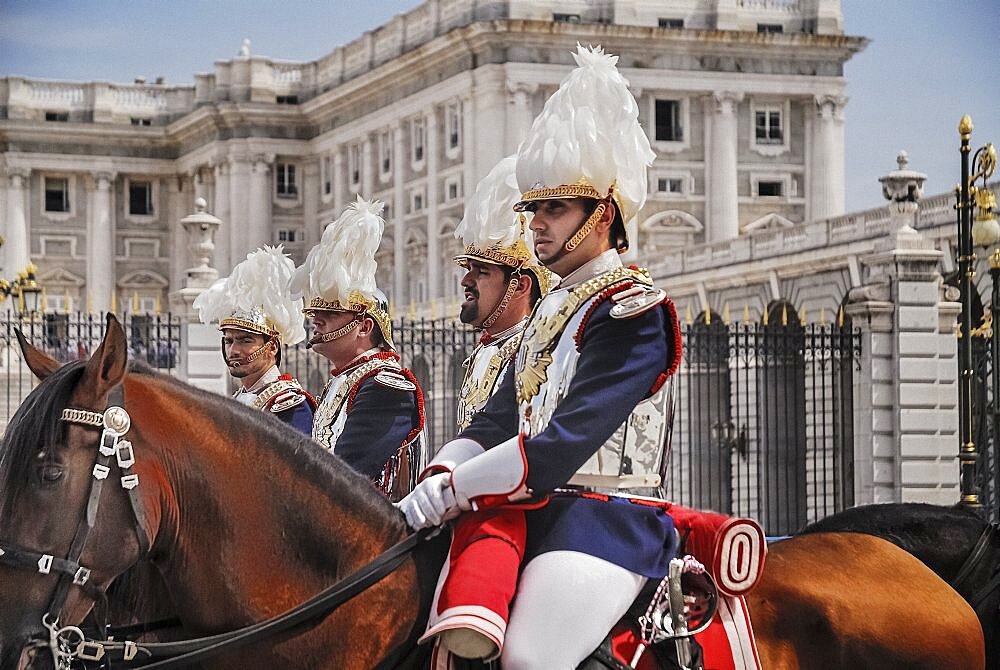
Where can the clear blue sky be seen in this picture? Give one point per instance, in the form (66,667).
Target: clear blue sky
(928,63)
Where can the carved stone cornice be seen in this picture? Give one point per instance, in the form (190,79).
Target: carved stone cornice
(18,175)
(725,102)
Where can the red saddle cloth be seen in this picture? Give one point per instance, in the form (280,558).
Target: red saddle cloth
(733,550)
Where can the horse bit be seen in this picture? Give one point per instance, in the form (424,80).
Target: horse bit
(69,642)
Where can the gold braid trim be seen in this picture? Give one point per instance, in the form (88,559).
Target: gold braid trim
(243,324)
(274,389)
(504,301)
(562,191)
(573,242)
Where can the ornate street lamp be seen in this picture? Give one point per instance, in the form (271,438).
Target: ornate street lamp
(984,232)
(24,288)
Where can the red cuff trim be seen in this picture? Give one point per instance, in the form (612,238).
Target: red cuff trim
(432,470)
(675,327)
(601,297)
(498,499)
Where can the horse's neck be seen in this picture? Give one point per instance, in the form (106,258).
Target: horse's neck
(240,528)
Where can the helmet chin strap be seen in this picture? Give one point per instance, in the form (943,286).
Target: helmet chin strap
(576,238)
(515,278)
(254,355)
(333,335)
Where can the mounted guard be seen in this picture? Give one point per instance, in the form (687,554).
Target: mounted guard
(371,411)
(579,408)
(257,316)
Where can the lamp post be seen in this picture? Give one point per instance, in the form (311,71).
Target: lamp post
(24,288)
(985,232)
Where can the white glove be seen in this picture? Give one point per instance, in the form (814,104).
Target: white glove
(430,503)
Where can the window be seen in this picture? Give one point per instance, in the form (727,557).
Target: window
(354,163)
(451,189)
(671,23)
(417,131)
(770,28)
(286,99)
(56,194)
(285,180)
(384,153)
(61,117)
(670,185)
(327,176)
(416,201)
(139,121)
(770,189)
(566,18)
(289,235)
(767,124)
(453,125)
(140,198)
(668,121)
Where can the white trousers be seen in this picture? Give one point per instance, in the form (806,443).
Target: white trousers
(565,605)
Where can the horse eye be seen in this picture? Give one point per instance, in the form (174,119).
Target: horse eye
(50,473)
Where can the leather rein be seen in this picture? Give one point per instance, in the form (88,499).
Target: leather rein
(68,643)
(976,556)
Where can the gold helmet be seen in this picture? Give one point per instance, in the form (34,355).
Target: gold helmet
(339,273)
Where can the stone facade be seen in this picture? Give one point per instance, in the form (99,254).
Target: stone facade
(747,123)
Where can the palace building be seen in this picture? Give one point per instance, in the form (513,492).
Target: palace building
(743,101)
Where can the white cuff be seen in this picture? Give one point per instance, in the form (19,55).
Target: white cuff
(493,478)
(451,455)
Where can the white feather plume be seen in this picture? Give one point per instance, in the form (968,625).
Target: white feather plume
(490,218)
(589,129)
(344,259)
(260,282)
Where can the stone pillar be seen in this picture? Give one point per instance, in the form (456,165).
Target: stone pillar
(178,188)
(310,201)
(469,176)
(100,246)
(490,102)
(906,392)
(239,207)
(826,168)
(434,259)
(723,202)
(398,210)
(15,248)
(259,219)
(201,362)
(521,115)
(367,168)
(338,181)
(224,239)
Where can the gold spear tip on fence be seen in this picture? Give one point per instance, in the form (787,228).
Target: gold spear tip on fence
(965,127)
(725,314)
(687,315)
(746,314)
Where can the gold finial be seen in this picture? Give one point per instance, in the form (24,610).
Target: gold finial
(413,311)
(32,268)
(822,315)
(114,300)
(965,127)
(725,314)
(44,301)
(802,316)
(784,315)
(766,317)
(746,314)
(840,317)
(687,315)
(135,302)
(156,304)
(69,302)
(708,317)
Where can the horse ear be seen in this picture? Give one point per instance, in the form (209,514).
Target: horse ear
(108,365)
(39,362)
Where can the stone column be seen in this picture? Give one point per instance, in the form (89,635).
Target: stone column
(826,168)
(906,392)
(310,201)
(201,362)
(15,249)
(178,188)
(469,177)
(239,207)
(723,202)
(100,246)
(338,181)
(521,117)
(367,168)
(491,113)
(434,259)
(224,238)
(399,163)
(259,219)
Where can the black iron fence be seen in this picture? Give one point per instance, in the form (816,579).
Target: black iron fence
(763,423)
(153,338)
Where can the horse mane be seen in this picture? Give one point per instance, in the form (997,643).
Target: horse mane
(34,428)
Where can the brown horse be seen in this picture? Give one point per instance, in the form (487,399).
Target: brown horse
(245,520)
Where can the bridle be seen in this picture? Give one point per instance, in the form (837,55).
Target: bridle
(986,542)
(69,642)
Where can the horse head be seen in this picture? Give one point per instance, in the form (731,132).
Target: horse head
(67,527)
